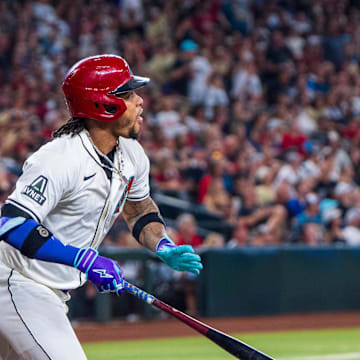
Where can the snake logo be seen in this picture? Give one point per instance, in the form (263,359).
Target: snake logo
(123,196)
(102,273)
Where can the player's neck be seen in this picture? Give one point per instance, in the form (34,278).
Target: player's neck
(103,140)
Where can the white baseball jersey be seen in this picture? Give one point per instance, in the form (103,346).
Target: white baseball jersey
(64,186)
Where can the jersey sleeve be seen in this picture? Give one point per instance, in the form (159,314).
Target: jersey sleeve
(41,185)
(140,188)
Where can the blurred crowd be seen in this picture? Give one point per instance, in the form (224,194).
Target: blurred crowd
(253,112)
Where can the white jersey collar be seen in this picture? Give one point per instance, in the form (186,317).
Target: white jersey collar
(118,164)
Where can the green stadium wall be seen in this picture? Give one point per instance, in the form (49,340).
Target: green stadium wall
(263,281)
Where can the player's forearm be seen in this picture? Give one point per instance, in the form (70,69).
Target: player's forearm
(151,233)
(148,228)
(35,241)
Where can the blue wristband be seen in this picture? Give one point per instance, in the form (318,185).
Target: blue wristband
(36,242)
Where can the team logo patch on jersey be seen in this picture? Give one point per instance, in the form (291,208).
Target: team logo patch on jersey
(123,196)
(35,191)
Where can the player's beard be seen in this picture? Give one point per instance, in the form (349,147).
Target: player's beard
(133,134)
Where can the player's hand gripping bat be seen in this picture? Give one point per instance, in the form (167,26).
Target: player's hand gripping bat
(234,346)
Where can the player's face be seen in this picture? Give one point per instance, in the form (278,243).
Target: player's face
(129,124)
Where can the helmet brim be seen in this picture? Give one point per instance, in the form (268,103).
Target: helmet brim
(136,82)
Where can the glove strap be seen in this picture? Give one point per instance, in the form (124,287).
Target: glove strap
(164,242)
(85,258)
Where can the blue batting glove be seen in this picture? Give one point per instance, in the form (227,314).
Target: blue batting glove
(181,258)
(103,272)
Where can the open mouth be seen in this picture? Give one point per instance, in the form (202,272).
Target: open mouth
(139,117)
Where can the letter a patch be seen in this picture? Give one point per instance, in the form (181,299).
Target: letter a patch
(35,191)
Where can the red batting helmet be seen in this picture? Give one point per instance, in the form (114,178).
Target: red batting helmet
(92,86)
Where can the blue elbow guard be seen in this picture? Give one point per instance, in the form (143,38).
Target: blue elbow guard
(35,241)
(8,224)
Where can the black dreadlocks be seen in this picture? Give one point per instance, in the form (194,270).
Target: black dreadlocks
(73,126)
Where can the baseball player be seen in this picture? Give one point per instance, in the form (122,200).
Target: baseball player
(70,193)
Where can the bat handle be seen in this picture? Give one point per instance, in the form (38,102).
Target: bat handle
(139,293)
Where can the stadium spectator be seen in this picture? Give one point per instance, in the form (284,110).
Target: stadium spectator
(311,234)
(240,236)
(186,231)
(267,220)
(262,96)
(214,241)
(215,95)
(333,224)
(295,200)
(310,215)
(167,176)
(182,70)
(215,171)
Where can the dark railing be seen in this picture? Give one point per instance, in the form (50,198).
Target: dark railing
(254,281)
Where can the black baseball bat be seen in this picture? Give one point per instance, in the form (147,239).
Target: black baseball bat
(232,345)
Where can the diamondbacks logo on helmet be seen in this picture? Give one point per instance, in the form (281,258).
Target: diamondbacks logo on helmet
(93,85)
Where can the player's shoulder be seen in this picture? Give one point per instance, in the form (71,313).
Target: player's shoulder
(131,146)
(134,152)
(62,150)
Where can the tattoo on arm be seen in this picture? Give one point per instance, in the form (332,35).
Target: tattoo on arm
(152,232)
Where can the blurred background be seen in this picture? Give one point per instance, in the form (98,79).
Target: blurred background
(252,127)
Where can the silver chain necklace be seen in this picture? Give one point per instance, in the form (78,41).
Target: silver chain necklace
(112,168)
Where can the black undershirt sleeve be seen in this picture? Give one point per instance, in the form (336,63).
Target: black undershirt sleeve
(9,210)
